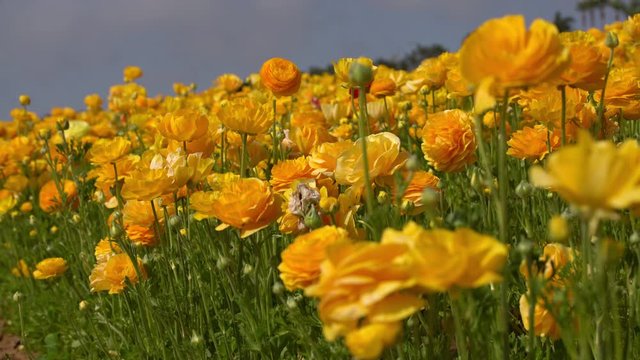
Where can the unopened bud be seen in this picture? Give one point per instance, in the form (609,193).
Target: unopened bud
(611,40)
(25,100)
(361,72)
(382,197)
(524,189)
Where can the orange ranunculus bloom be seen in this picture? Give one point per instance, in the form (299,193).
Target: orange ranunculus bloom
(139,221)
(50,268)
(448,141)
(113,274)
(105,249)
(532,143)
(21,269)
(623,88)
(147,184)
(183,125)
(308,137)
(503,49)
(556,259)
(246,115)
(106,151)
(105,174)
(421,181)
(571,170)
(383,154)
(281,76)
(444,259)
(246,204)
(286,172)
(300,266)
(544,322)
(50,200)
(364,281)
(588,64)
(382,87)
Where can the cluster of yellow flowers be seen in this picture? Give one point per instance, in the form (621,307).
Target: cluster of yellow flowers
(310,156)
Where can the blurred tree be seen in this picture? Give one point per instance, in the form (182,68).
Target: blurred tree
(563,23)
(620,8)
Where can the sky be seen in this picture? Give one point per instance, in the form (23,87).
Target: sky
(58,51)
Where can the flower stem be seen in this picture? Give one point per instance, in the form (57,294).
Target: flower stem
(563,94)
(362,128)
(243,156)
(599,120)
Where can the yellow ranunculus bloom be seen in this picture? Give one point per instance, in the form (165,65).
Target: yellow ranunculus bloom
(544,322)
(505,50)
(597,177)
(106,151)
(384,156)
(50,268)
(370,340)
(113,274)
(286,172)
(183,125)
(588,64)
(229,82)
(131,73)
(300,266)
(246,115)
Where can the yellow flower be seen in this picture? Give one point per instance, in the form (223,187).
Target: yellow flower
(50,268)
(596,177)
(147,184)
(21,269)
(449,143)
(505,50)
(105,174)
(531,143)
(558,228)
(555,257)
(432,72)
(7,201)
(281,76)
(246,115)
(363,280)
(324,157)
(308,137)
(446,259)
(342,66)
(370,340)
(300,266)
(139,221)
(106,151)
(131,73)
(183,125)
(113,274)
(246,204)
(384,157)
(229,82)
(544,322)
(93,101)
(105,249)
(286,172)
(623,87)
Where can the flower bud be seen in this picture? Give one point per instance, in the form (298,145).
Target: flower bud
(83,305)
(524,189)
(24,99)
(413,163)
(17,296)
(174,221)
(115,230)
(430,198)
(277,288)
(222,263)
(611,40)
(361,72)
(382,197)
(312,219)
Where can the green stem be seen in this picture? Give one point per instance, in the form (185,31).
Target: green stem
(563,94)
(274,135)
(243,156)
(362,128)
(599,121)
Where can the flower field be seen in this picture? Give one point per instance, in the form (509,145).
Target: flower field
(482,206)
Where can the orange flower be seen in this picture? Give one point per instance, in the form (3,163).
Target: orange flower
(286,172)
(21,269)
(50,268)
(246,204)
(281,76)
(50,199)
(544,322)
(588,63)
(449,143)
(131,73)
(229,82)
(308,137)
(382,87)
(503,49)
(532,143)
(421,181)
(300,266)
(384,157)
(183,125)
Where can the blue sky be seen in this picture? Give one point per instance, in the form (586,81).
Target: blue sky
(58,51)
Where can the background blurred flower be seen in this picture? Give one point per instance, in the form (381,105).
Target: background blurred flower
(50,268)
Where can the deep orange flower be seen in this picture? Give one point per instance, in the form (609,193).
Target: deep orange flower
(286,172)
(281,76)
(448,141)
(50,199)
(532,143)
